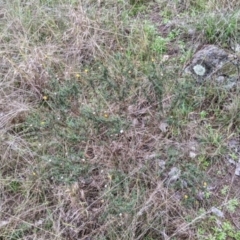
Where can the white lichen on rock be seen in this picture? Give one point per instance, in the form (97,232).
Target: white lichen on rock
(199,69)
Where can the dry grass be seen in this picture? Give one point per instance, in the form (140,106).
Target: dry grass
(94,114)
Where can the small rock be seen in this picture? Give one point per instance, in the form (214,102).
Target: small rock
(211,188)
(191,31)
(233,144)
(135,122)
(212,61)
(165,58)
(38,223)
(231,84)
(221,79)
(184,183)
(164,127)
(151,156)
(217,212)
(192,154)
(3,223)
(162,164)
(231,161)
(235,47)
(173,175)
(237,170)
(200,196)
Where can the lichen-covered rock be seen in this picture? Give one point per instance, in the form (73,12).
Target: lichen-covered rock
(212,62)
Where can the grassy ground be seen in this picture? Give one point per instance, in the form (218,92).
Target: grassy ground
(95,113)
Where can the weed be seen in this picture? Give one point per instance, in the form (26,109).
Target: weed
(224,231)
(159,45)
(15,186)
(213,137)
(220,28)
(232,205)
(224,190)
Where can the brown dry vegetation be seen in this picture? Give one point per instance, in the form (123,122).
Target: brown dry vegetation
(95,112)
